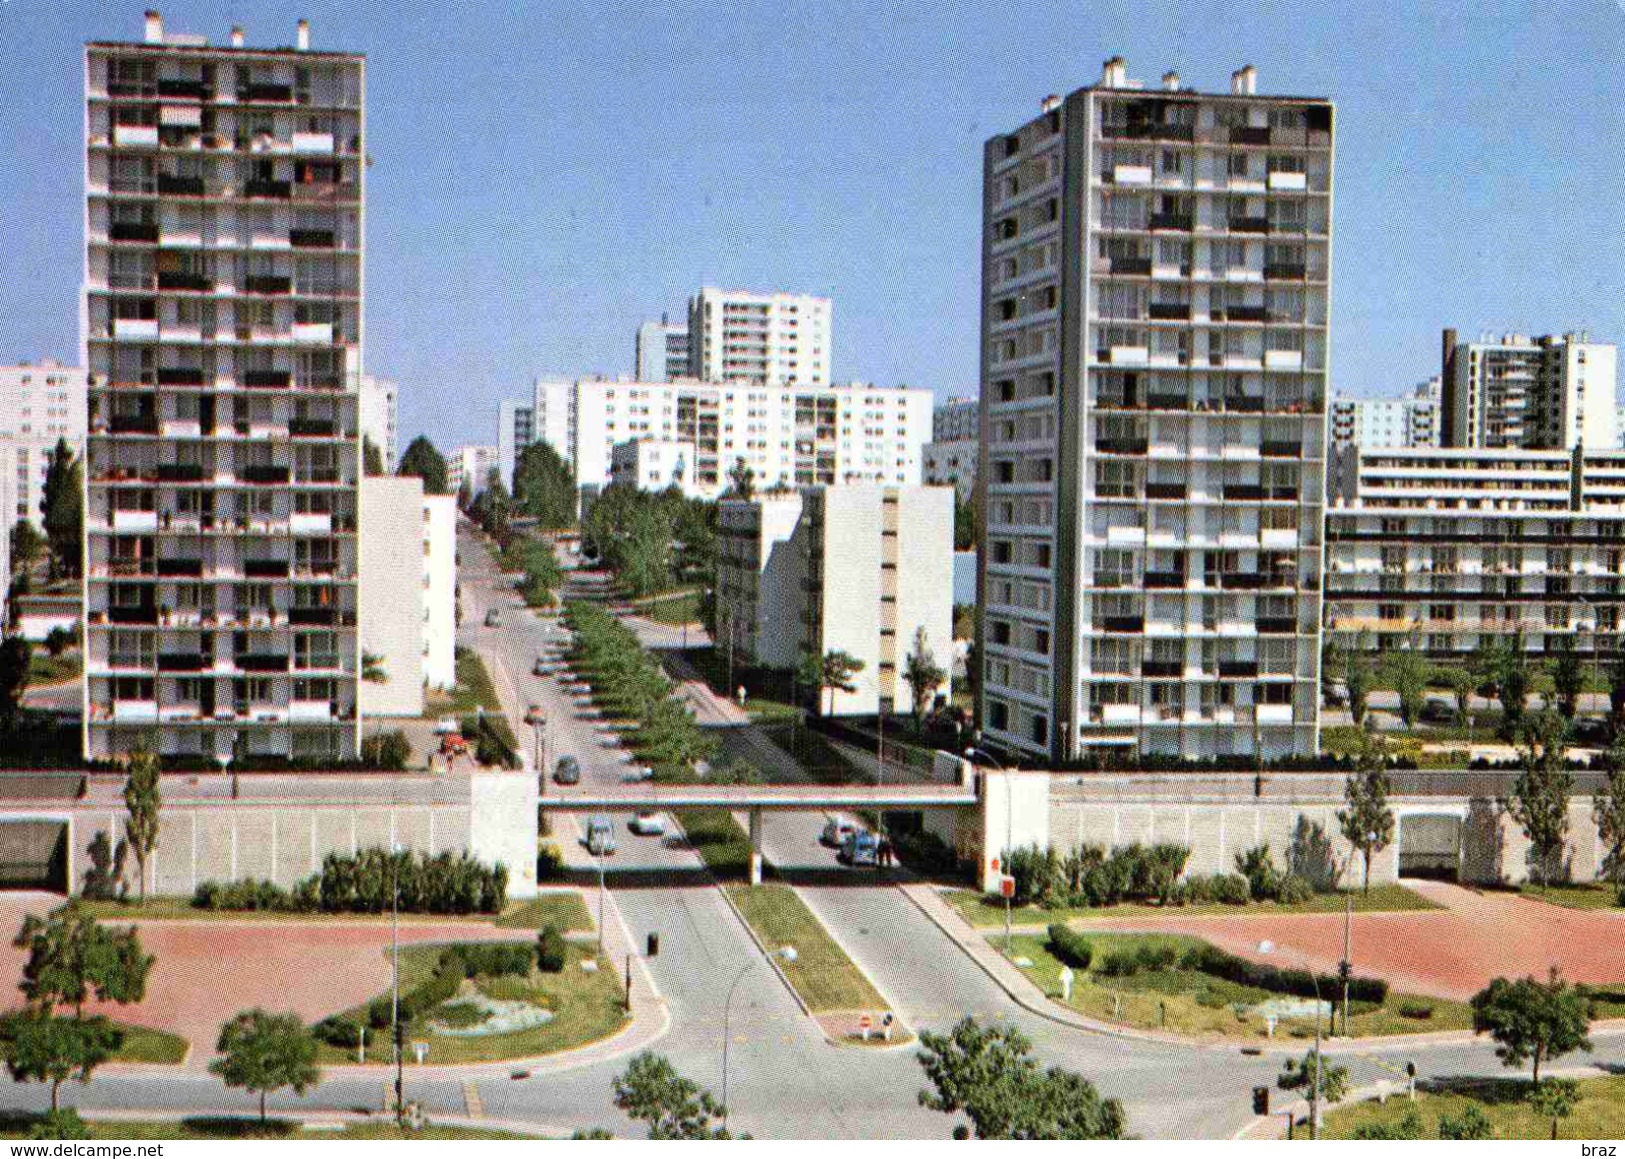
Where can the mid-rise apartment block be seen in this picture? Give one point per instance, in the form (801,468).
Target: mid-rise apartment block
(662,352)
(408,586)
(652,465)
(858,569)
(1413,421)
(474,465)
(39,406)
(516,430)
(1450,550)
(1546,393)
(956,420)
(222,330)
(1156,264)
(789,436)
(380,408)
(759,339)
(952,464)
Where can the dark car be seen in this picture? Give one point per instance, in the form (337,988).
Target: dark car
(567,771)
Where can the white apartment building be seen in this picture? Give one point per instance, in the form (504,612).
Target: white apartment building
(1413,421)
(222,329)
(1156,264)
(856,569)
(759,339)
(652,465)
(662,352)
(790,436)
(952,464)
(39,404)
(440,591)
(956,420)
(516,426)
(1450,550)
(379,418)
(404,533)
(1551,392)
(474,463)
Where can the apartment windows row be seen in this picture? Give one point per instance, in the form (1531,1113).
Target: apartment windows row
(1210,659)
(1017,720)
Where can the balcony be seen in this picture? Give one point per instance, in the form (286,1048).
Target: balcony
(180,472)
(1274,713)
(1291,182)
(144,328)
(1281,450)
(1132,266)
(266,284)
(266,94)
(180,568)
(135,521)
(137,424)
(266,379)
(174,185)
(1242,580)
(136,136)
(264,475)
(313,617)
(1131,175)
(1162,668)
(1120,623)
(1286,271)
(145,231)
(192,90)
(313,333)
(176,280)
(1249,135)
(133,614)
(184,662)
(307,523)
(1170,221)
(320,382)
(1238,668)
(1167,402)
(1164,579)
(135,711)
(1244,404)
(312,238)
(1249,225)
(1170,311)
(312,710)
(180,376)
(1165,490)
(1283,360)
(1246,492)
(1122,446)
(312,428)
(1277,625)
(1245,313)
(265,568)
(274,190)
(262,662)
(313,143)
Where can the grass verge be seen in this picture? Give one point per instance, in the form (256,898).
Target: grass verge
(822,974)
(142,1044)
(1574,895)
(718,839)
(1599,1115)
(564,911)
(984,911)
(676,610)
(45,669)
(1197,1005)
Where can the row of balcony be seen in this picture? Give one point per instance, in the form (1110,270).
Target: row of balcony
(193,429)
(197,376)
(1244,716)
(248,569)
(242,712)
(150,233)
(191,138)
(1242,135)
(151,523)
(258,189)
(319,334)
(153,616)
(253,286)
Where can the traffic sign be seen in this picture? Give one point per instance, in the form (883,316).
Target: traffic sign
(1007,886)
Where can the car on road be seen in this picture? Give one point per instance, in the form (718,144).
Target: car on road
(836,831)
(860,849)
(600,837)
(493,618)
(567,771)
(540,667)
(648,825)
(637,774)
(445,725)
(1438,712)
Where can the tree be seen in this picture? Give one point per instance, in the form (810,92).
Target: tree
(836,672)
(27,547)
(142,800)
(372,459)
(989,1074)
(1357,678)
(52,1048)
(1472,1123)
(1512,683)
(62,506)
(1368,822)
(1485,666)
(1540,796)
(1616,693)
(104,880)
(1608,811)
(967,525)
(923,674)
(1554,1099)
(264,1052)
(465,494)
(1531,1020)
(1461,690)
(1568,681)
(544,487)
(427,463)
(16,653)
(1296,1074)
(71,959)
(1332,662)
(1408,672)
(651,1091)
(741,480)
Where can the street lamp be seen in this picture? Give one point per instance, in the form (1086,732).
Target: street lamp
(788,953)
(1009,829)
(395,983)
(1267,947)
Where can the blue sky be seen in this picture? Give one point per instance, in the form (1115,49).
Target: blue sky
(548,174)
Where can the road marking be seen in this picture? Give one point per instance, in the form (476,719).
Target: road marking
(471,1099)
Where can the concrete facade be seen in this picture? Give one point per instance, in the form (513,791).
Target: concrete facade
(662,352)
(735,336)
(39,404)
(440,591)
(652,465)
(952,463)
(392,620)
(1553,392)
(475,464)
(379,418)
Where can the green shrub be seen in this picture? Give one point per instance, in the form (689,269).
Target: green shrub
(550,863)
(342,1032)
(1472,1123)
(364,883)
(1417,1010)
(551,950)
(1217,963)
(61,1124)
(1291,889)
(1119,964)
(489,959)
(379,1013)
(1150,957)
(1070,947)
(1407,1127)
(1258,867)
(388,751)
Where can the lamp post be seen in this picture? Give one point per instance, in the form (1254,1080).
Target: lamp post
(395,983)
(1267,947)
(788,953)
(1009,828)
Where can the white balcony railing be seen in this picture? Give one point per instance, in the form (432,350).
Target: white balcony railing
(135,328)
(313,142)
(135,135)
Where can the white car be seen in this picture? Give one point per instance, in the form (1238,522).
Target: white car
(446,724)
(648,825)
(637,774)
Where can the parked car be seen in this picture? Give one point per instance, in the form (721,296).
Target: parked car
(637,774)
(648,825)
(567,771)
(540,667)
(836,831)
(493,618)
(860,849)
(1591,730)
(600,837)
(446,724)
(1438,712)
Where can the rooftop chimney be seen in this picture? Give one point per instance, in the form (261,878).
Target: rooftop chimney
(1170,81)
(155,26)
(1049,103)
(1244,81)
(236,35)
(1115,74)
(304,36)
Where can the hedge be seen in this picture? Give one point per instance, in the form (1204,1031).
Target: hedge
(364,883)
(1219,963)
(1070,947)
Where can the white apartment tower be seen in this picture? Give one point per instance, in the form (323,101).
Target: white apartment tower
(759,339)
(1156,266)
(1548,393)
(39,406)
(222,329)
(662,351)
(379,418)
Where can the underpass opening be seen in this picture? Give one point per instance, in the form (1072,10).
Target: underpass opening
(34,855)
(1430,846)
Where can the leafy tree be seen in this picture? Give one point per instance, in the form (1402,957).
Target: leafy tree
(1461,690)
(1296,1074)
(1512,684)
(989,1074)
(71,958)
(58,640)
(493,508)
(1554,1099)
(1485,666)
(741,480)
(372,459)
(465,494)
(1568,681)
(373,669)
(423,460)
(1368,822)
(51,1048)
(967,524)
(544,487)
(62,505)
(1531,1020)
(104,880)
(1357,678)
(836,673)
(264,1052)
(142,801)
(923,674)
(16,653)
(1616,693)
(1540,796)
(651,1091)
(1608,811)
(1408,671)
(1332,662)
(1471,1124)
(27,546)
(387,750)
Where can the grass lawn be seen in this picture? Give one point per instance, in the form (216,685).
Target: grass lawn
(474,690)
(1192,1003)
(586,1007)
(566,911)
(1600,1113)
(677,609)
(1574,895)
(822,974)
(983,910)
(43,668)
(718,839)
(144,1045)
(15,1125)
